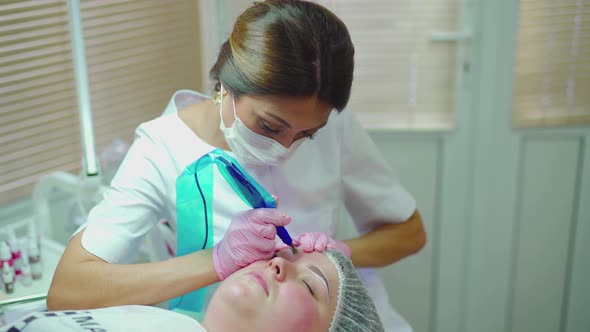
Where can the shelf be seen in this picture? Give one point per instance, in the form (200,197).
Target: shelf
(26,299)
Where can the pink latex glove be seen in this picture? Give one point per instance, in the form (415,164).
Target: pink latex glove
(249,238)
(316,241)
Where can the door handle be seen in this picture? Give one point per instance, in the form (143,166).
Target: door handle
(450,36)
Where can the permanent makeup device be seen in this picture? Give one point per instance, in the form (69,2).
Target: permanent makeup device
(247,188)
(194,205)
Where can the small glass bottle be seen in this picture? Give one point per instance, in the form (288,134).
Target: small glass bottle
(15,251)
(5,254)
(26,276)
(33,234)
(8,277)
(35,259)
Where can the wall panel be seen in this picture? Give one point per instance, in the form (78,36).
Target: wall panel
(548,180)
(577,303)
(416,161)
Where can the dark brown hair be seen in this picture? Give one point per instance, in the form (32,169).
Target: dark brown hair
(287,48)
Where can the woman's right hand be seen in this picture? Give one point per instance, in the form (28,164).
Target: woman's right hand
(249,238)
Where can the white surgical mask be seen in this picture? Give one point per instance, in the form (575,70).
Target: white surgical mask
(253,148)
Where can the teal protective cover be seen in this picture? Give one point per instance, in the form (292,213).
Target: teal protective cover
(194,199)
(194,215)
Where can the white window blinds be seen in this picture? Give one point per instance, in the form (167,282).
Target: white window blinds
(552,74)
(38,118)
(402,79)
(138,54)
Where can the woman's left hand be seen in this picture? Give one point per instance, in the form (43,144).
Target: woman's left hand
(319,242)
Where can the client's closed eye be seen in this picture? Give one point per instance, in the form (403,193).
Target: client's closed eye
(308,285)
(318,273)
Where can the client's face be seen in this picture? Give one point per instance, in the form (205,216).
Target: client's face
(288,293)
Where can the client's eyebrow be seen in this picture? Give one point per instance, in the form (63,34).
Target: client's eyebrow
(319,272)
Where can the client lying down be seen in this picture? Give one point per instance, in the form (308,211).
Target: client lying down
(302,292)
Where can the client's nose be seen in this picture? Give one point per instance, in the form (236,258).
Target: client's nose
(279,268)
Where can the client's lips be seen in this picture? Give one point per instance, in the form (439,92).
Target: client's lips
(260,280)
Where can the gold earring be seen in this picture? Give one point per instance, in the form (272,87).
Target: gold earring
(217,98)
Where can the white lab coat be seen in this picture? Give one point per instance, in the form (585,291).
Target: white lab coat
(340,167)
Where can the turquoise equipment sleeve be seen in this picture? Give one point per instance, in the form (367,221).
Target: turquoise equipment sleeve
(194,197)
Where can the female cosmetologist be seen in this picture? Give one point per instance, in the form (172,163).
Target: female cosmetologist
(283,80)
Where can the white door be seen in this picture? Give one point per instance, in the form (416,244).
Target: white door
(528,230)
